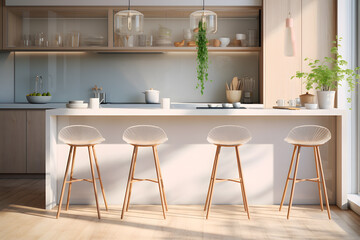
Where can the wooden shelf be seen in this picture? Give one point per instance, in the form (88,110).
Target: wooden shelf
(136,49)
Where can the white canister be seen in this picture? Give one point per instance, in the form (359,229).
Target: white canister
(94,103)
(165,103)
(151,96)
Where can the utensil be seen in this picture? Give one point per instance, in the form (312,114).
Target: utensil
(234,83)
(151,96)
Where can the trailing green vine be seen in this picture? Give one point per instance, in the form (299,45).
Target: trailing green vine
(202,57)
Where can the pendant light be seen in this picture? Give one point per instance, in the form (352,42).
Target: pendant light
(208,19)
(129,22)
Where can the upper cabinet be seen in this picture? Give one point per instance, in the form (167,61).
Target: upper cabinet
(90,28)
(56,28)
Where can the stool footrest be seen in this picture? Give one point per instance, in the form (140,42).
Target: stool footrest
(307,179)
(237,180)
(72,180)
(144,179)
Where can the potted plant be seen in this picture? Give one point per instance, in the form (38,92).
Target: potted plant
(202,57)
(327,75)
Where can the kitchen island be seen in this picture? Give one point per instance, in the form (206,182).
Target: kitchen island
(186,159)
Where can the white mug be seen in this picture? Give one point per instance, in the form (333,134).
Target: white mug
(94,103)
(280,102)
(165,103)
(292,103)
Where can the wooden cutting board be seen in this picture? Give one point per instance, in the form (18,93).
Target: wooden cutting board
(286,108)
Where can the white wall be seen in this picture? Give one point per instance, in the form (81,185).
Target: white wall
(125,76)
(6,77)
(133,2)
(347,30)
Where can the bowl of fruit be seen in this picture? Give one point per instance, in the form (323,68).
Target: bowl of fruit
(38,97)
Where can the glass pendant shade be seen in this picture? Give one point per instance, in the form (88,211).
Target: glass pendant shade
(208,18)
(129,22)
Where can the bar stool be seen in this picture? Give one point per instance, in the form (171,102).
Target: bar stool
(81,136)
(307,136)
(144,136)
(227,136)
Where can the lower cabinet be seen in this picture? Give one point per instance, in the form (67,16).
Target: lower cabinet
(12,141)
(22,141)
(35,141)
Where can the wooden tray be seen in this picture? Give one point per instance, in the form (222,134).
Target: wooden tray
(286,107)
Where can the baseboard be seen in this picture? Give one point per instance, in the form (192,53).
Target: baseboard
(354,202)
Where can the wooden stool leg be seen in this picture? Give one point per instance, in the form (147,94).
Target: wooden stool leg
(100,180)
(71,176)
(294,181)
(211,177)
(242,182)
(159,182)
(161,179)
(213,182)
(64,182)
(318,176)
(129,180)
(323,182)
(287,179)
(94,182)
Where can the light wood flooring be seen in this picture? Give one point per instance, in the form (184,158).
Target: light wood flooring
(22,217)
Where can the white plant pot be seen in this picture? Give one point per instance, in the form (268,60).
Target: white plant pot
(326,99)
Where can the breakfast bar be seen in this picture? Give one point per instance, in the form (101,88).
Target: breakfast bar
(186,158)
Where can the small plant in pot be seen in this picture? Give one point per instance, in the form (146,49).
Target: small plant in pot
(327,75)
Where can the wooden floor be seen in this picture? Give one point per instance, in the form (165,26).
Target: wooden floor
(22,217)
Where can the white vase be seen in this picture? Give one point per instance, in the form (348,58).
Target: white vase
(326,99)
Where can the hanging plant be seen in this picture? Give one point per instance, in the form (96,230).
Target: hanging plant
(202,57)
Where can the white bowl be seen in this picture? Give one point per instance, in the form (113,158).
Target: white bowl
(237,104)
(311,106)
(227,105)
(38,99)
(224,41)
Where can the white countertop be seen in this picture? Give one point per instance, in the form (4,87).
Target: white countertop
(113,105)
(192,112)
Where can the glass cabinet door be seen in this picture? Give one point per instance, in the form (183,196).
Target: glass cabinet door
(44,28)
